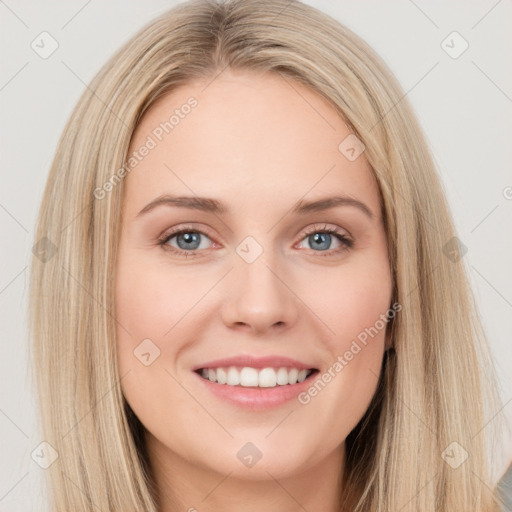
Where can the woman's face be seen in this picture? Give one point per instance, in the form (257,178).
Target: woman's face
(256,287)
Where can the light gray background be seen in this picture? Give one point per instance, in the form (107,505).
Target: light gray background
(464,106)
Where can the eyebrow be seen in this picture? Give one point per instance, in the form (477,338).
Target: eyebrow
(209,205)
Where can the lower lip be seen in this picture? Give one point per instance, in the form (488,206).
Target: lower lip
(253,398)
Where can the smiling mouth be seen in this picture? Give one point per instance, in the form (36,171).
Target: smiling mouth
(249,377)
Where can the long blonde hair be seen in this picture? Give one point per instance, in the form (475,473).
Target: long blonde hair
(437,377)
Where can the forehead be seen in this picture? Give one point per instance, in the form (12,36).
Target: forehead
(252,140)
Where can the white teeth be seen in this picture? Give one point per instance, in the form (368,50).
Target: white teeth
(282,376)
(292,376)
(267,378)
(302,376)
(233,377)
(249,377)
(252,377)
(222,376)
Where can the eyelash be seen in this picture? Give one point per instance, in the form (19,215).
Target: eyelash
(345,241)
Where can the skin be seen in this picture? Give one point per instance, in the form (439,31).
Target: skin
(259,146)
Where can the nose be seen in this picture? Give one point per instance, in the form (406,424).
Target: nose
(259,299)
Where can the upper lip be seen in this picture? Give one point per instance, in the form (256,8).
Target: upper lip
(255,362)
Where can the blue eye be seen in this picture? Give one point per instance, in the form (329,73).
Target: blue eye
(190,242)
(320,241)
(187,240)
(322,238)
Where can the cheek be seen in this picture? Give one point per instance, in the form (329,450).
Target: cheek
(147,307)
(351,300)
(151,297)
(150,301)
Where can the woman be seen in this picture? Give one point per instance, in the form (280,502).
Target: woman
(260,301)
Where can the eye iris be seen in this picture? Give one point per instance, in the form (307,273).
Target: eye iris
(321,238)
(189,238)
